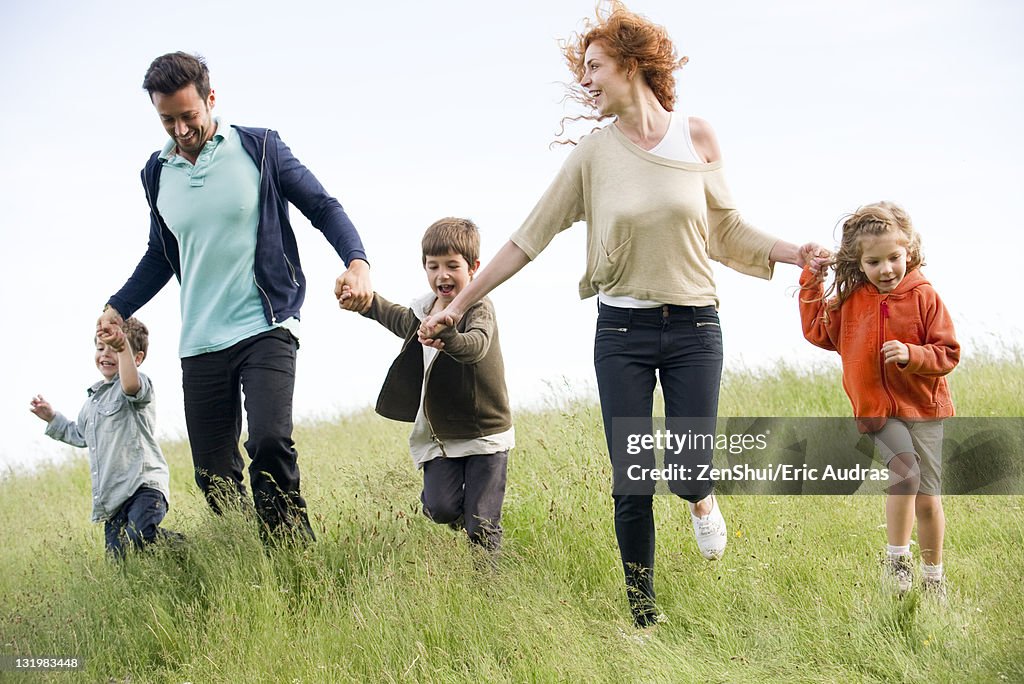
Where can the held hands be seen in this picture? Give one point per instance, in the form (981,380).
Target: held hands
(431,342)
(113,336)
(345,299)
(353,288)
(434,324)
(894,351)
(814,256)
(42,408)
(110,318)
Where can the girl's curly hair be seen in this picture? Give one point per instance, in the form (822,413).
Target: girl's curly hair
(880,218)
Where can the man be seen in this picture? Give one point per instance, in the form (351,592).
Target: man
(218,198)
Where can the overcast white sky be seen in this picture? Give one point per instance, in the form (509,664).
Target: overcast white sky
(409,111)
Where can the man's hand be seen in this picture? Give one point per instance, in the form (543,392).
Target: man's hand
(42,408)
(113,336)
(353,288)
(108,319)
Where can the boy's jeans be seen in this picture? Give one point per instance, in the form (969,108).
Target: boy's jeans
(470,489)
(137,522)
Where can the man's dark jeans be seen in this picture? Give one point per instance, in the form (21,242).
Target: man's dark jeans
(262,368)
(680,346)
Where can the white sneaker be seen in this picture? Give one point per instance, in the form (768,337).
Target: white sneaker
(710,532)
(934,588)
(898,574)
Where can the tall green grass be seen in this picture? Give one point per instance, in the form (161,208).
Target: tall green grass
(385,595)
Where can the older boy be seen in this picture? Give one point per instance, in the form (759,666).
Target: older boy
(130,480)
(454,392)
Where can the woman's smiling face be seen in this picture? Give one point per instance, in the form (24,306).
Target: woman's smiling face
(605,80)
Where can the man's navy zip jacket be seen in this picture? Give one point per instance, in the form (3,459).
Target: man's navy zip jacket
(278,276)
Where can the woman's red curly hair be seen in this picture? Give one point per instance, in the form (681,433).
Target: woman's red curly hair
(636,43)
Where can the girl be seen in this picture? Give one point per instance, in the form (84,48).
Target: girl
(897,343)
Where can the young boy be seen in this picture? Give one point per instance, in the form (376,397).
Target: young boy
(454,393)
(130,480)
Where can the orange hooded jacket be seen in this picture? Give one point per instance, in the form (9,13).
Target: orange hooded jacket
(913,314)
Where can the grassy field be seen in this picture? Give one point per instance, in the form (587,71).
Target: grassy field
(385,595)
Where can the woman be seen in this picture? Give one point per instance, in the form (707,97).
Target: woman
(651,190)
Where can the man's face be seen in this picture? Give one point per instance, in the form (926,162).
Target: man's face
(187,118)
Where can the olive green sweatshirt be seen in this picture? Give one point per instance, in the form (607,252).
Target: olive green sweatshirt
(465,394)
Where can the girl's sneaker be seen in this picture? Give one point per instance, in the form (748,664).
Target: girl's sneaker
(710,532)
(934,589)
(899,573)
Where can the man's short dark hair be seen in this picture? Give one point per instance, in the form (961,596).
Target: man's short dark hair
(171,72)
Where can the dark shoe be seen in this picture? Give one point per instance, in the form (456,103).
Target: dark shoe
(640,592)
(170,537)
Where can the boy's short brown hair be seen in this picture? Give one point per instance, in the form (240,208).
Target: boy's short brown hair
(452,234)
(137,334)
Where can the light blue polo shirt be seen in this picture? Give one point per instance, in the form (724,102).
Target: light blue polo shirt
(212,208)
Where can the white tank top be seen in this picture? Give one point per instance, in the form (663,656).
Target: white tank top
(677,146)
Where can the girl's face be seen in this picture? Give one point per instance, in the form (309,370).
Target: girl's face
(883,260)
(605,81)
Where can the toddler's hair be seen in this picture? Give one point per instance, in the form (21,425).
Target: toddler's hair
(879,218)
(452,234)
(137,334)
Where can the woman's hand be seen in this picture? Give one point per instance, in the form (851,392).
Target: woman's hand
(814,256)
(432,326)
